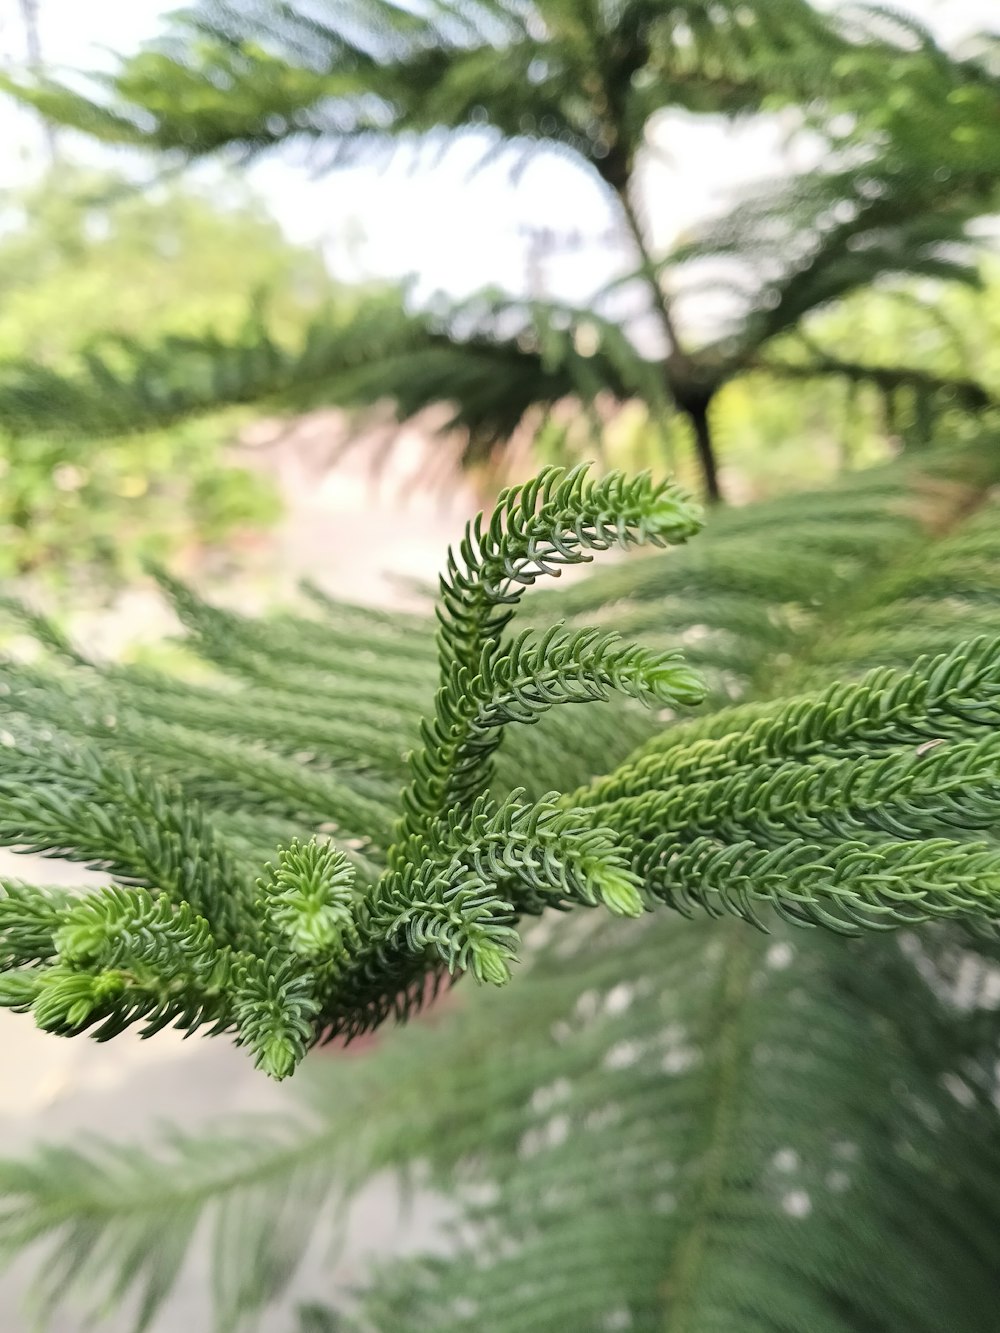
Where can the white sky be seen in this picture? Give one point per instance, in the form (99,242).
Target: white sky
(457,233)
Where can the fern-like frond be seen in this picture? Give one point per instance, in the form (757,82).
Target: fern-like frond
(663,1118)
(345,932)
(528,537)
(349,81)
(700,1140)
(259,1185)
(488,359)
(697,1138)
(70,801)
(830,234)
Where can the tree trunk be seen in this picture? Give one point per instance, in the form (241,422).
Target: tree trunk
(697,414)
(33,43)
(692,399)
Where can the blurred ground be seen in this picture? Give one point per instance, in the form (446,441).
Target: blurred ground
(348,535)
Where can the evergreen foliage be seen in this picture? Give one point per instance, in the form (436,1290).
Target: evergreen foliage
(755,1089)
(694,1124)
(310,952)
(353,82)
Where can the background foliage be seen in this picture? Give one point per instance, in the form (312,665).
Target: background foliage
(85,260)
(359,83)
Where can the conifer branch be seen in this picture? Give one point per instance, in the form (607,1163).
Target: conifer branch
(317,950)
(851,808)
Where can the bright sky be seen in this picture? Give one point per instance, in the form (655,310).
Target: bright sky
(459,233)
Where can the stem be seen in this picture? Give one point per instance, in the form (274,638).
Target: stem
(731,1050)
(705,449)
(677,365)
(675,351)
(681,375)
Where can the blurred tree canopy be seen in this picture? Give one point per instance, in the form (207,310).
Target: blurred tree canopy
(85,259)
(906,168)
(83,253)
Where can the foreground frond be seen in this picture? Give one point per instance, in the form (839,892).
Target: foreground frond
(690,1120)
(348,929)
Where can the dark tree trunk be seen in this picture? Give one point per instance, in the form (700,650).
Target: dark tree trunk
(697,414)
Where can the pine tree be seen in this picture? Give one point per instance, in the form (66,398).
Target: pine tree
(741,1072)
(353,81)
(776,1114)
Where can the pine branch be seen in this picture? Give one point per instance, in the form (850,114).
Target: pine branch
(966,393)
(322,952)
(631,1119)
(353,81)
(849,887)
(945,697)
(489,359)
